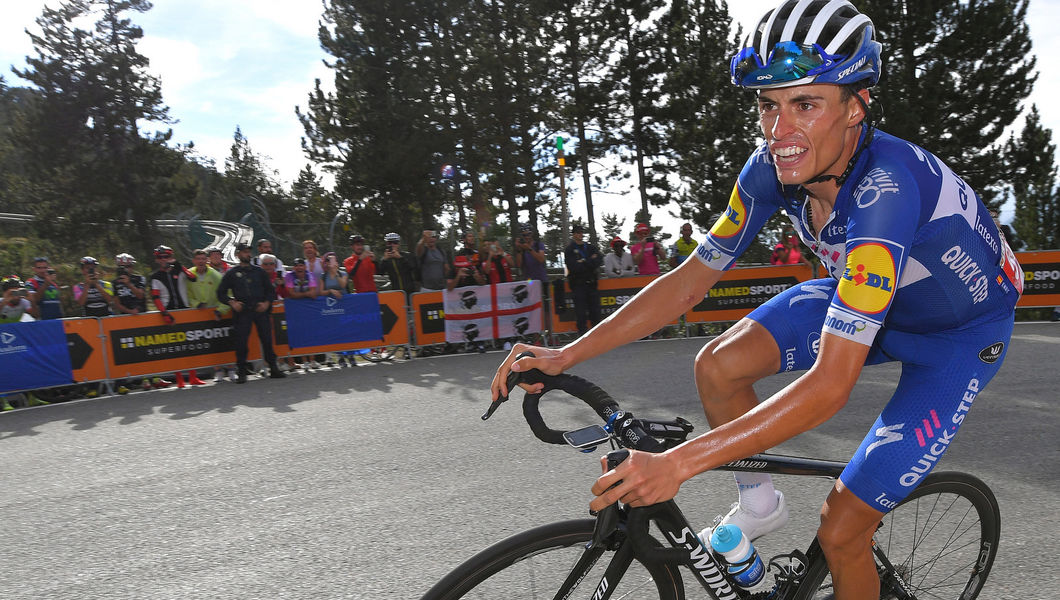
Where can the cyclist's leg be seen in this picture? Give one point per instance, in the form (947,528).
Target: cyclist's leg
(781,335)
(942,373)
(845,535)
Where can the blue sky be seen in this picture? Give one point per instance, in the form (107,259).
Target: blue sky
(250,62)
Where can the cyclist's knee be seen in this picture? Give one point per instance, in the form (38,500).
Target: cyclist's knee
(847,525)
(735,360)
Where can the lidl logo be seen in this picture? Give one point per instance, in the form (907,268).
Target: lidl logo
(732,221)
(868,283)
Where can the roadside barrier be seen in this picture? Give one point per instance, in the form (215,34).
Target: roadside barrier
(81,350)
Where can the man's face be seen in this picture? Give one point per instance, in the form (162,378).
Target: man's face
(809,129)
(578,236)
(244,255)
(40,268)
(265,248)
(393,246)
(299,270)
(358,248)
(215,258)
(469,240)
(269,265)
(431,241)
(310,251)
(199,260)
(686,231)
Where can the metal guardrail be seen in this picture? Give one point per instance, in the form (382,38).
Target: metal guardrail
(225,235)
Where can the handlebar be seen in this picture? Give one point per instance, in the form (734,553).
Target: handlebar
(627,430)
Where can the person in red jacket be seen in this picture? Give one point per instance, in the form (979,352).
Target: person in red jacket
(360,267)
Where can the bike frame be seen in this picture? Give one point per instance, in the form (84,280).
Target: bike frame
(685,547)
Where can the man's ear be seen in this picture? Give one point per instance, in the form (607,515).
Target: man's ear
(858,102)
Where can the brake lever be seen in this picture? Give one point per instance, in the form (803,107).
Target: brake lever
(511,382)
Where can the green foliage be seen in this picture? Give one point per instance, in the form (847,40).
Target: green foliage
(1031,160)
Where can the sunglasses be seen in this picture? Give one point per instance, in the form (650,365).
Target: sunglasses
(787,62)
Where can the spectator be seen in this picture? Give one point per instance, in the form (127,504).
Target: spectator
(313,263)
(129,287)
(44,291)
(435,266)
(497,264)
(169,291)
(646,252)
(787,251)
(582,260)
(265,247)
(335,279)
(619,263)
(216,260)
(399,266)
(469,250)
(466,273)
(202,293)
(94,295)
(13,307)
(530,254)
(361,266)
(14,304)
(684,246)
(300,283)
(270,264)
(246,289)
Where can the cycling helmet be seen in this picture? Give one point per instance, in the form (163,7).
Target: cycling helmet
(11,282)
(356,239)
(808,41)
(163,252)
(391,237)
(124,260)
(88,260)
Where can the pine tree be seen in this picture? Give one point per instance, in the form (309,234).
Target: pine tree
(712,125)
(955,75)
(379,133)
(1031,163)
(86,157)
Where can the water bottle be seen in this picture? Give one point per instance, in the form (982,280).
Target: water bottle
(745,567)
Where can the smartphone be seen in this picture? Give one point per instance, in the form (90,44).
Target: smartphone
(587,437)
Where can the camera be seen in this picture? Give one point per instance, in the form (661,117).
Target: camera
(92,271)
(122,271)
(650,238)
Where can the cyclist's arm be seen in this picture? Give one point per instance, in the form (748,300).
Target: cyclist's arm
(659,303)
(804,404)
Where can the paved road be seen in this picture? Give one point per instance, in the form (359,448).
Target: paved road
(373,482)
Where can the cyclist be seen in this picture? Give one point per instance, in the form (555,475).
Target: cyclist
(919,275)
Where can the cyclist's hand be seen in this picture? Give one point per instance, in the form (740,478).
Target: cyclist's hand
(547,360)
(643,479)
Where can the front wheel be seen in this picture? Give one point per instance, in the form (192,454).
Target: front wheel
(939,542)
(534,564)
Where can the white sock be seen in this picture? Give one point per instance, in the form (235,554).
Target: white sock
(757,495)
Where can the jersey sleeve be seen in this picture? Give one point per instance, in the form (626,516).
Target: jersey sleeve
(884,216)
(755,197)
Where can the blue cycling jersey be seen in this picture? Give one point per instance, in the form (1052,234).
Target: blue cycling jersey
(907,240)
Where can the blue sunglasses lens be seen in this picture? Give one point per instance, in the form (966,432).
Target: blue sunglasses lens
(788,61)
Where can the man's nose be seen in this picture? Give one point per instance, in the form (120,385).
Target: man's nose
(782,125)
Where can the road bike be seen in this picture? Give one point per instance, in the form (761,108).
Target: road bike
(940,542)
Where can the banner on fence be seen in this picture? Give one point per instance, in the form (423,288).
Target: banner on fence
(428,317)
(499,310)
(614,293)
(326,321)
(1041,278)
(84,345)
(742,290)
(33,355)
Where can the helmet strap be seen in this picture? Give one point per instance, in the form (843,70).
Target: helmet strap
(870,123)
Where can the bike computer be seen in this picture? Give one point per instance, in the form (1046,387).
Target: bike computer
(587,437)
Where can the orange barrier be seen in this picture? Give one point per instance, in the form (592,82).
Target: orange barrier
(614,293)
(88,357)
(1041,278)
(428,318)
(144,344)
(742,290)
